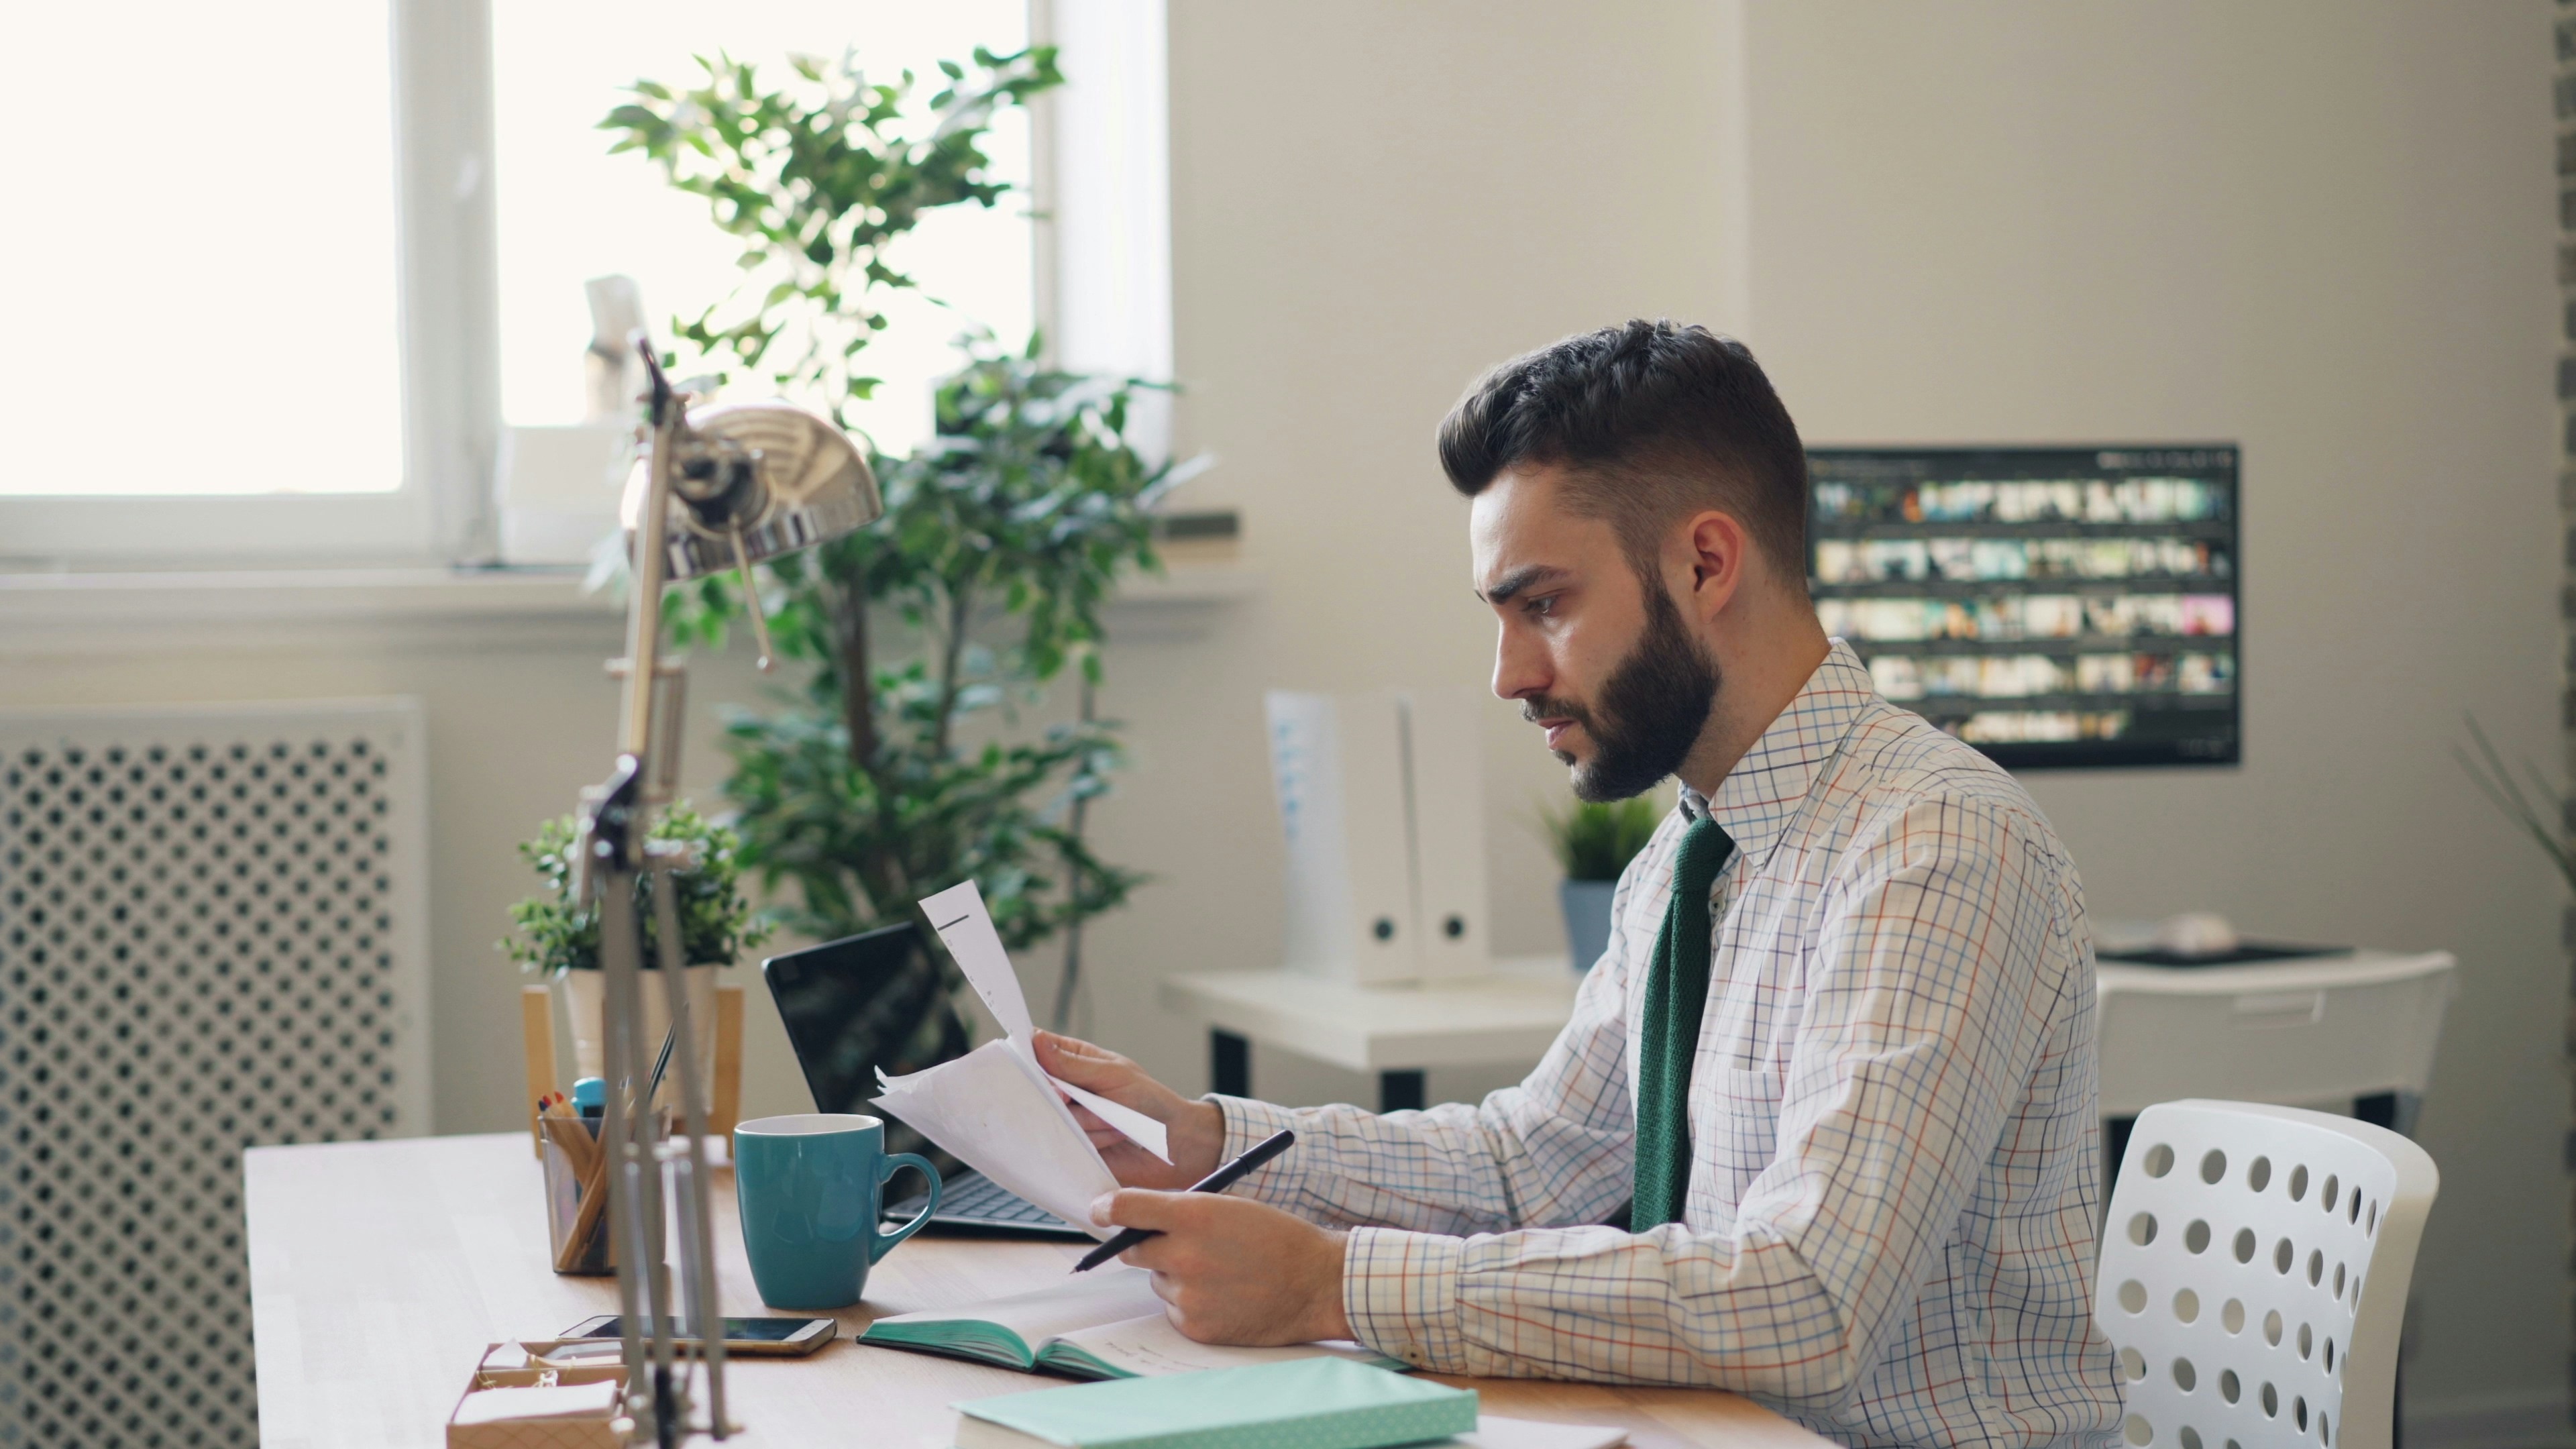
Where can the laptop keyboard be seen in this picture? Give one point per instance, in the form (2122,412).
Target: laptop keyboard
(973,1197)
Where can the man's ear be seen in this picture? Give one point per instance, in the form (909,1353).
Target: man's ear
(1718,551)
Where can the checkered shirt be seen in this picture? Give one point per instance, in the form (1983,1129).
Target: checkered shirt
(1893,1112)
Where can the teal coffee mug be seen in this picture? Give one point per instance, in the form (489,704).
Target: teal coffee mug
(811,1188)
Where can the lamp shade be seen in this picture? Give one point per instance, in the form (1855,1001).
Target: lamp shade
(770,474)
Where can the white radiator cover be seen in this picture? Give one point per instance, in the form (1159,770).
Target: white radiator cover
(212,936)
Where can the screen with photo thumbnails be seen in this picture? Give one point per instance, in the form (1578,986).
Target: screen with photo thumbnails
(2053,607)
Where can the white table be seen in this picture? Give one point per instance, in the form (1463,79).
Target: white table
(2319,1031)
(1395,1032)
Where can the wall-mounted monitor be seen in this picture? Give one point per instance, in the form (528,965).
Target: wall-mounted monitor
(2051,606)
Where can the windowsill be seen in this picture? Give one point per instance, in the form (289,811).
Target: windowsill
(127,612)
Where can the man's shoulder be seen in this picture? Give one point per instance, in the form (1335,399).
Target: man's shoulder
(1897,763)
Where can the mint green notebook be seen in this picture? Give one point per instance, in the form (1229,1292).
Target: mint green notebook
(1104,1325)
(1313,1403)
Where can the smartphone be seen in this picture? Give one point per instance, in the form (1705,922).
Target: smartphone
(779,1337)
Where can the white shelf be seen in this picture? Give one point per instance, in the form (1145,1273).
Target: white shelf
(1509,1016)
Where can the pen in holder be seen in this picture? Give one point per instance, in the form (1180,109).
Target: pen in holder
(577,1190)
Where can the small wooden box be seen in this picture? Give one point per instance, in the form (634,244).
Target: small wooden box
(582,1433)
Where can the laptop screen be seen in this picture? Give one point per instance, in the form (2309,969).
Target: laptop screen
(864,1003)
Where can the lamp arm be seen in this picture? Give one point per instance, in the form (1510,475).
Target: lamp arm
(648,568)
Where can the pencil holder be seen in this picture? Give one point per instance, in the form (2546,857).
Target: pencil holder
(577,1193)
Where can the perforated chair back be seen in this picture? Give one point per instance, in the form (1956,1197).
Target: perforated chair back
(2254,1273)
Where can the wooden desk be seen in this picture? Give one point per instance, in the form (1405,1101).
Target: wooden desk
(380,1269)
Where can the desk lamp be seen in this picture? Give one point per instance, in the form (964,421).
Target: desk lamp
(721,488)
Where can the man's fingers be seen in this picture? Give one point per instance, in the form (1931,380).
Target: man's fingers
(1143,1207)
(1093,1068)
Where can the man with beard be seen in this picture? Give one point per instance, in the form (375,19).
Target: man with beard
(1822,1127)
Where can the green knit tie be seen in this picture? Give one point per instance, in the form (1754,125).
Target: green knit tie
(1676,994)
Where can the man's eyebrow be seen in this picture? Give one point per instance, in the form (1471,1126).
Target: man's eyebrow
(1519,580)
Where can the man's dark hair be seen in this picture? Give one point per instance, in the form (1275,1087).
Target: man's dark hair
(1650,421)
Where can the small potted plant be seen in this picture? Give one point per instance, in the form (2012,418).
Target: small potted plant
(559,936)
(1595,842)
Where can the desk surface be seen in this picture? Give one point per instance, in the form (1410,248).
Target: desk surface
(379,1271)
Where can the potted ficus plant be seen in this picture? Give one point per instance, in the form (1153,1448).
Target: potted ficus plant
(904,764)
(1594,842)
(558,935)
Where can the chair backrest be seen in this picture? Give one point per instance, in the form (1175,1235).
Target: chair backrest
(2254,1274)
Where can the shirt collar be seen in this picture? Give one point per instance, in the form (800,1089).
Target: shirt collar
(1756,800)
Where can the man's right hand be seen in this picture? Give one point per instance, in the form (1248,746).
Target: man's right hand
(1194,1131)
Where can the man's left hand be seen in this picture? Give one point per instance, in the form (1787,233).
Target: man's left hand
(1233,1270)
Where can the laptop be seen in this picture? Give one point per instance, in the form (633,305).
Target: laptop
(863,1002)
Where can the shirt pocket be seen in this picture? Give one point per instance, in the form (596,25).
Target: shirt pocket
(1739,1133)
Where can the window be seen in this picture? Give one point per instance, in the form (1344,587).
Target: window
(197,246)
(304,260)
(209,346)
(568,211)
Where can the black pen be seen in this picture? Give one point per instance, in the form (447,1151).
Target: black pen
(1217,1181)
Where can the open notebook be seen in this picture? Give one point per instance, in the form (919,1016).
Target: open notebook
(1105,1325)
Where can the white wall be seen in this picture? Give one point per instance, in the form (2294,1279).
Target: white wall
(2320,228)
(2323,230)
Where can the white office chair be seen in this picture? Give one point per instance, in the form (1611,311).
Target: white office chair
(2254,1274)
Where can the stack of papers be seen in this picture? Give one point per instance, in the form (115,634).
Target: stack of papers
(995,1108)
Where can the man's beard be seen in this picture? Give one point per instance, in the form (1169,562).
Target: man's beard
(1650,713)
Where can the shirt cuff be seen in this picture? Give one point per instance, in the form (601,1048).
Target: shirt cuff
(1247,1123)
(1400,1292)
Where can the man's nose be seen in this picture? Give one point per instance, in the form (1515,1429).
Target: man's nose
(1520,666)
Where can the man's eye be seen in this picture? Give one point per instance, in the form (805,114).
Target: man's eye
(1542,606)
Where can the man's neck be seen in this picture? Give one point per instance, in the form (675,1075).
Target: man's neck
(1753,688)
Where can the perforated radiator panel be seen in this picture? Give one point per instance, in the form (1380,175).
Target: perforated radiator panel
(211,938)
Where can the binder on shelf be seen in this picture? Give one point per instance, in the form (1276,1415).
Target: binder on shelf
(1381,802)
(1444,750)
(1337,763)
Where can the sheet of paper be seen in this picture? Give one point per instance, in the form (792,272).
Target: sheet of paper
(992,1109)
(1084,1300)
(966,928)
(564,1401)
(1140,1129)
(1493,1431)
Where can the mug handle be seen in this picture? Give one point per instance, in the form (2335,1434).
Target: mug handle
(882,1242)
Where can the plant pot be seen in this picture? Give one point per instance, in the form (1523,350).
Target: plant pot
(1587,918)
(579,994)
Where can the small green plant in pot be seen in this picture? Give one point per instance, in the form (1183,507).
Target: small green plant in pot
(1594,843)
(558,936)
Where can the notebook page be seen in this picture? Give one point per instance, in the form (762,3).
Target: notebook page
(1086,1301)
(1148,1345)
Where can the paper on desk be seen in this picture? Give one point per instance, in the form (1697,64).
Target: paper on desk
(966,928)
(564,1401)
(1493,1431)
